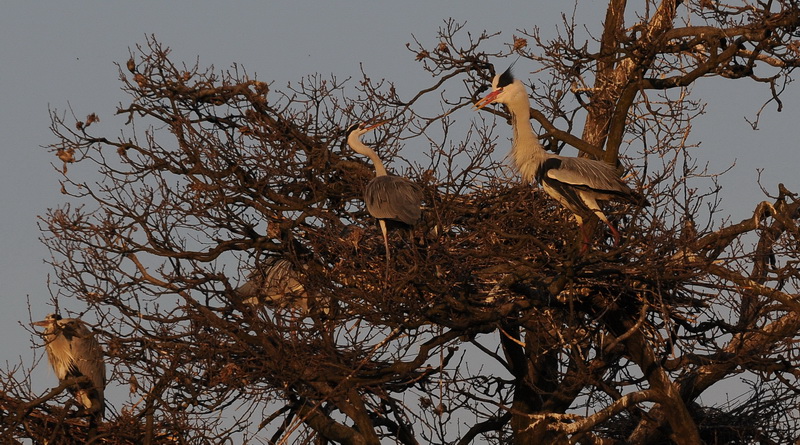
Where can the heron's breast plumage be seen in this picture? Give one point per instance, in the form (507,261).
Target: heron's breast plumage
(60,355)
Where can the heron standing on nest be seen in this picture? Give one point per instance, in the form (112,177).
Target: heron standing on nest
(393,200)
(576,183)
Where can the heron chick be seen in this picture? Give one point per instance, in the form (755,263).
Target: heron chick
(277,283)
(576,183)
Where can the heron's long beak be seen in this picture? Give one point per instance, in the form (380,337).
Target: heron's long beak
(487,100)
(376,125)
(43,323)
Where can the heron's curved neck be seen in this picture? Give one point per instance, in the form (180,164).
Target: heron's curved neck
(527,153)
(524,137)
(355,143)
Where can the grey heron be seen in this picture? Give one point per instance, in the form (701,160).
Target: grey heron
(73,351)
(276,282)
(576,183)
(390,199)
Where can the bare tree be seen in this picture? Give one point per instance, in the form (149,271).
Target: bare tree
(491,327)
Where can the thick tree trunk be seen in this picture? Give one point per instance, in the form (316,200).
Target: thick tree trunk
(615,79)
(536,371)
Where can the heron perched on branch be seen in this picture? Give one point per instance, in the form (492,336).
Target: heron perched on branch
(576,183)
(393,200)
(73,351)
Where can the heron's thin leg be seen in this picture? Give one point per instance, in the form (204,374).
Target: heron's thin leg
(584,238)
(385,242)
(614,231)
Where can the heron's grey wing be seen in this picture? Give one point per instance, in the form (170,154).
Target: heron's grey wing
(395,198)
(586,173)
(567,195)
(88,356)
(80,354)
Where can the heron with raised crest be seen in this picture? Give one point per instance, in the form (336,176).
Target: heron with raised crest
(576,183)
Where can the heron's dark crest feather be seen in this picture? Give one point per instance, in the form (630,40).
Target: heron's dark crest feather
(350,129)
(507,78)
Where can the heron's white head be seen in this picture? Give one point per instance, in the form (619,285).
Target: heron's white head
(354,133)
(49,322)
(357,130)
(505,90)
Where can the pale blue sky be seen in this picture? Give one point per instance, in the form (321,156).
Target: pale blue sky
(55,54)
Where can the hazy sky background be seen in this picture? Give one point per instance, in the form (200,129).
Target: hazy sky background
(61,54)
